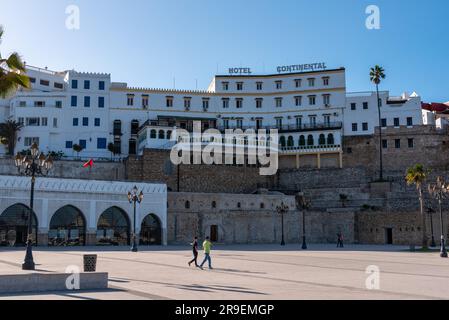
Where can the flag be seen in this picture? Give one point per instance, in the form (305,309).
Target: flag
(89,164)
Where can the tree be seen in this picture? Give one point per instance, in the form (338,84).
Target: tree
(376,75)
(8,134)
(77,148)
(417,175)
(12,73)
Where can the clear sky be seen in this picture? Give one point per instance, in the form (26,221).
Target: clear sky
(148,43)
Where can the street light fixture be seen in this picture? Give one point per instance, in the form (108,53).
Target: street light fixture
(430,212)
(32,165)
(283,208)
(303,204)
(135,197)
(439,191)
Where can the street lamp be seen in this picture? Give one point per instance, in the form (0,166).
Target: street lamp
(32,165)
(439,191)
(430,212)
(303,204)
(135,197)
(281,210)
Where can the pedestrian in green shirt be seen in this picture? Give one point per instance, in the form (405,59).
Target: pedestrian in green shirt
(206,246)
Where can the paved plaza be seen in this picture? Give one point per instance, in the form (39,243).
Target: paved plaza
(248,272)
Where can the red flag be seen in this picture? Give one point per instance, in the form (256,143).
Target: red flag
(89,163)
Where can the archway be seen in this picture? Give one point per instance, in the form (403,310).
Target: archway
(14,226)
(113,227)
(151,231)
(67,227)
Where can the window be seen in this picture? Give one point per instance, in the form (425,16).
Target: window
(353,106)
(298,101)
(365,126)
(100,102)
(327,120)
(69,144)
(86,84)
(325,81)
(311,82)
(22,104)
(259,123)
(239,86)
(312,121)
(326,99)
(101,85)
(302,141)
(86,102)
(310,141)
(83,144)
(397,143)
(74,101)
(297,83)
(21,121)
(225,86)
(411,143)
(39,104)
(396,122)
(225,103)
(144,101)
(330,139)
(33,122)
(409,121)
(312,100)
(74,84)
(238,103)
(75,122)
(322,139)
(153,134)
(226,123)
(279,123)
(278,102)
(365,105)
(85,121)
(161,134)
(28,141)
(101,143)
(205,104)
(45,83)
(169,102)
(187,103)
(130,100)
(383,123)
(298,122)
(58,104)
(55,122)
(259,85)
(187,205)
(278,84)
(58,85)
(44,122)
(354,127)
(384,144)
(259,103)
(239,123)
(97,122)
(32,80)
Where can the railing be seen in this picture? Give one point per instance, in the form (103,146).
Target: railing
(306,149)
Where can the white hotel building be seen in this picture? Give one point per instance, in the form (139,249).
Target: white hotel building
(312,110)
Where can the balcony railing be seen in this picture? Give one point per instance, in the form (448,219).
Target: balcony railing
(314,149)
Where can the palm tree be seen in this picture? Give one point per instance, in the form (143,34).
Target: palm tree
(8,134)
(417,175)
(12,73)
(376,75)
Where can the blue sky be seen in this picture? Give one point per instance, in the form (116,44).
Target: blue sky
(149,43)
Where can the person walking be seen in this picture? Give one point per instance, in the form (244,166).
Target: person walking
(206,247)
(339,240)
(194,245)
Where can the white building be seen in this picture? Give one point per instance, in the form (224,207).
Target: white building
(312,110)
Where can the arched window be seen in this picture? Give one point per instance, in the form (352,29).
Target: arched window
(310,141)
(67,227)
(322,140)
(282,141)
(290,142)
(153,134)
(239,205)
(161,134)
(262,205)
(187,204)
(302,141)
(168,134)
(14,226)
(151,231)
(113,227)
(214,204)
(330,139)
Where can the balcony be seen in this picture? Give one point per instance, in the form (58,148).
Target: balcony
(311,149)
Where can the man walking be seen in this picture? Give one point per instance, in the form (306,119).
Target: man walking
(194,245)
(206,246)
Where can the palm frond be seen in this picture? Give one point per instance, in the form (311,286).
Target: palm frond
(14,62)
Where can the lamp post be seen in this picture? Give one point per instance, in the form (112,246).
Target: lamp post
(135,197)
(303,204)
(430,212)
(281,210)
(439,191)
(32,165)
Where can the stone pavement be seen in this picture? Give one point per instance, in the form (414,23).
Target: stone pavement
(248,272)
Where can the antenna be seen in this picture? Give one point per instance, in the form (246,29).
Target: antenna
(174,83)
(196,84)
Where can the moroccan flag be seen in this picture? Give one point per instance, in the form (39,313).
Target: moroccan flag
(89,163)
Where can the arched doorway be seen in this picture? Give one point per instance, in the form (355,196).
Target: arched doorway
(14,226)
(151,231)
(113,227)
(67,227)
